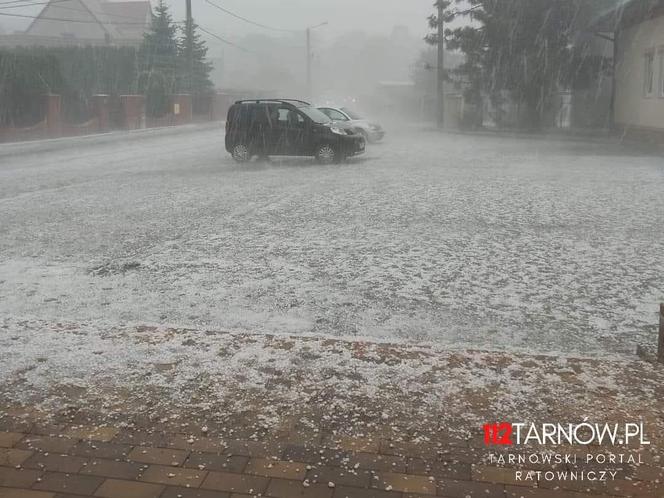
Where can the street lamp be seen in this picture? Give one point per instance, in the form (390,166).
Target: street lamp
(310,56)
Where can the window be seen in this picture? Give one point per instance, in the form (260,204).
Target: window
(335,115)
(288,118)
(351,114)
(649,74)
(315,115)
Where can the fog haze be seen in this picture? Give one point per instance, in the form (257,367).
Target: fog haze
(374,16)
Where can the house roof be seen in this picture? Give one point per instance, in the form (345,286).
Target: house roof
(628,13)
(136,15)
(125,20)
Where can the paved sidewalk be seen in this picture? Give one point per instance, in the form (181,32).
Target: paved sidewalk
(62,460)
(312,434)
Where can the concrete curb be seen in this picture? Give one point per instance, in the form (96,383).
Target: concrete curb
(48,145)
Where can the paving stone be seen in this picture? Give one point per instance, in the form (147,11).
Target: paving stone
(176,492)
(304,438)
(366,445)
(68,483)
(649,473)
(460,455)
(203,444)
(595,487)
(104,434)
(315,455)
(67,495)
(141,438)
(348,492)
(23,493)
(50,444)
(159,456)
(9,439)
(257,449)
(276,468)
(339,476)
(392,481)
(114,488)
(55,462)
(98,449)
(18,478)
(212,461)
(47,429)
(521,492)
(376,461)
(237,483)
(407,449)
(162,474)
(636,489)
(470,489)
(10,423)
(11,457)
(282,488)
(499,475)
(445,470)
(113,469)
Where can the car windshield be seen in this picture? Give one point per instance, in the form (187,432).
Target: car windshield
(316,115)
(351,114)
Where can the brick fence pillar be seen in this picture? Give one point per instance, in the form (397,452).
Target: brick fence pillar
(660,348)
(133,112)
(182,109)
(53,109)
(102,111)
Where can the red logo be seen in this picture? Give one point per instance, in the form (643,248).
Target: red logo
(499,434)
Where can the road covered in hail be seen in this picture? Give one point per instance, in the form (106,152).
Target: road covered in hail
(458,240)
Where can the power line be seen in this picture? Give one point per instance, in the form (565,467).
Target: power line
(79,21)
(13,1)
(32,2)
(255,23)
(223,40)
(55,2)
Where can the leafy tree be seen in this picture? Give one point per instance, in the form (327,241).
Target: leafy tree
(158,61)
(518,47)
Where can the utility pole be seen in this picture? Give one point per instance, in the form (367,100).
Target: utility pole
(190,49)
(440,80)
(309,56)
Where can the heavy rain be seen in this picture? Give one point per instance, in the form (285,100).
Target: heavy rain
(315,248)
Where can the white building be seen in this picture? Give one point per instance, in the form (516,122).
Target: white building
(638,101)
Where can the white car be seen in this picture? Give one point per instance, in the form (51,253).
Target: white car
(372,132)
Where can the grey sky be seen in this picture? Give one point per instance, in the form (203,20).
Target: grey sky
(372,16)
(342,15)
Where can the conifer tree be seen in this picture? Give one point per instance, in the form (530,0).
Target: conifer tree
(158,57)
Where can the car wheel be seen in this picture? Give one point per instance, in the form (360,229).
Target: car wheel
(241,153)
(325,154)
(365,135)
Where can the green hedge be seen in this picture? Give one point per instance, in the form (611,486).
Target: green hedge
(75,73)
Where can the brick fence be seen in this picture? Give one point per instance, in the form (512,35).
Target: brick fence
(126,112)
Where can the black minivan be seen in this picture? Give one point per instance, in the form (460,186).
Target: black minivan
(283,127)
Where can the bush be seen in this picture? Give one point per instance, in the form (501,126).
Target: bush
(75,73)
